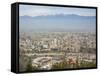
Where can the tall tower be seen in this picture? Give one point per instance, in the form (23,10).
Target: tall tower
(55,42)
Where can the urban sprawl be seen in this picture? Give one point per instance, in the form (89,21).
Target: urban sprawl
(56,50)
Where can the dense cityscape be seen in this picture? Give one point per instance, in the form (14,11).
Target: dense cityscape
(56,50)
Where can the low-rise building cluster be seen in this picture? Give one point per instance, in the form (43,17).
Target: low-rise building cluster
(58,46)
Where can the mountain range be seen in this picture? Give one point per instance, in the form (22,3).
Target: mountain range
(60,22)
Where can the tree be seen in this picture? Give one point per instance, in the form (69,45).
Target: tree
(29,66)
(60,65)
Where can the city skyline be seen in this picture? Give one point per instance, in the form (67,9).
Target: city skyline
(52,38)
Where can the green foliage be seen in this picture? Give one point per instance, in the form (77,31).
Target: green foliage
(61,65)
(65,65)
(29,66)
(84,64)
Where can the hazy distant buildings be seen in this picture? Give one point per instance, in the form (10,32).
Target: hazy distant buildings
(56,46)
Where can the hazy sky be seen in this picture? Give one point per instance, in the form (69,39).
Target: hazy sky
(33,10)
(59,22)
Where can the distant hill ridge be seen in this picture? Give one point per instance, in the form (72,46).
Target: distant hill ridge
(57,15)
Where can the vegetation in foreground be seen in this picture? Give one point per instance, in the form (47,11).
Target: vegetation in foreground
(63,65)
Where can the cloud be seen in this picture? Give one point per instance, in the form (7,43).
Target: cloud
(34,10)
